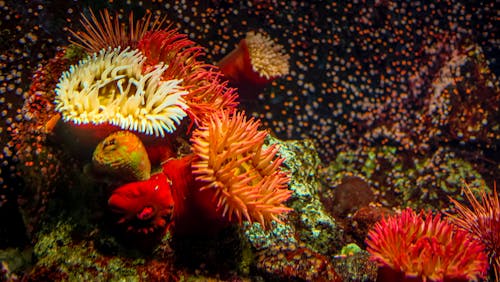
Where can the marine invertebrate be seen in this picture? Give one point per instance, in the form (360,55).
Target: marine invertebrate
(246,177)
(256,61)
(207,93)
(110,88)
(144,206)
(426,248)
(107,32)
(482,221)
(122,156)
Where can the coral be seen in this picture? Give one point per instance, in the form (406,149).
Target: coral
(246,177)
(425,247)
(482,220)
(363,220)
(122,156)
(144,206)
(355,266)
(110,87)
(309,223)
(351,194)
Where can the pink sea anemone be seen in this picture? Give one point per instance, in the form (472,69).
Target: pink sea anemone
(422,247)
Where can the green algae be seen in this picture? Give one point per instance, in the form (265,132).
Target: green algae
(420,182)
(308,222)
(78,260)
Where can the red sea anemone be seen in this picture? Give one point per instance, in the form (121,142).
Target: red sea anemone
(422,247)
(207,93)
(144,206)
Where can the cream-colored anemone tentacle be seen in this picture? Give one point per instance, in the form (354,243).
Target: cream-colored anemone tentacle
(110,87)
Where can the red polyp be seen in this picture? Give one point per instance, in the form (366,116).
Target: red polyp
(144,206)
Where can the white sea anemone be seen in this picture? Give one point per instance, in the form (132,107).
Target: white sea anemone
(110,87)
(268,58)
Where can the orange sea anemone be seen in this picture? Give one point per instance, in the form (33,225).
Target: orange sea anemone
(422,247)
(482,220)
(246,178)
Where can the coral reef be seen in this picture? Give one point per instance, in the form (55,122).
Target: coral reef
(398,179)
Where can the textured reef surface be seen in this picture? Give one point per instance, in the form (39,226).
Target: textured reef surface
(249,140)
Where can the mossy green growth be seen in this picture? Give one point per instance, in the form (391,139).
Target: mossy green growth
(78,260)
(350,249)
(74,53)
(309,222)
(420,182)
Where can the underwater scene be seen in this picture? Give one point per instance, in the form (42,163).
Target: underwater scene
(265,140)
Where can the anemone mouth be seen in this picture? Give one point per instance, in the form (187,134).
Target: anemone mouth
(146,213)
(110,87)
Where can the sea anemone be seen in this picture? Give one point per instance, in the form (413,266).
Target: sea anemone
(144,206)
(110,87)
(255,62)
(246,178)
(122,156)
(108,32)
(424,248)
(207,93)
(482,220)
